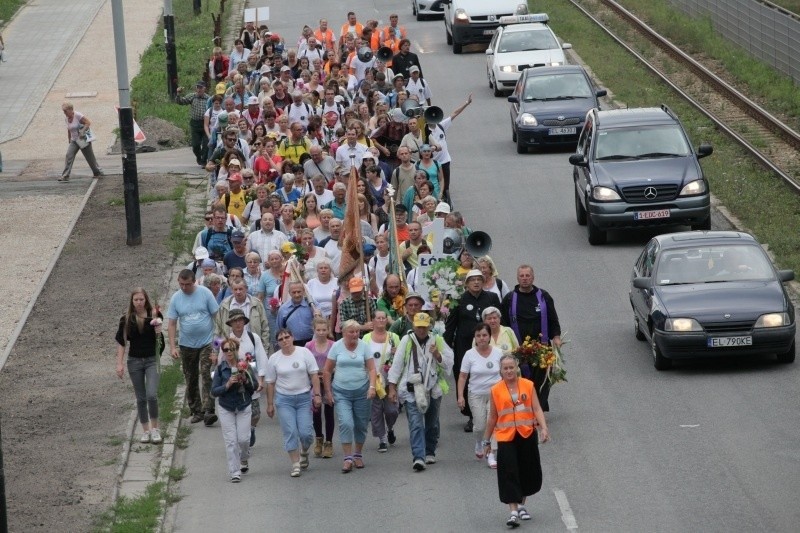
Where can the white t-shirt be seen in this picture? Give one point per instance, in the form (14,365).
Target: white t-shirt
(290,373)
(438,136)
(322,293)
(419,88)
(325,197)
(300,113)
(378,265)
(256,352)
(483,371)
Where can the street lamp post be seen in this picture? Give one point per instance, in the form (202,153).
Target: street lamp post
(169,46)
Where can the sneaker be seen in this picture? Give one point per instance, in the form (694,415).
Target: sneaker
(295,472)
(209,419)
(244,467)
(491,461)
(236,479)
(390,436)
(327,450)
(197,417)
(523,513)
(513,520)
(318,447)
(155,436)
(479,450)
(383,447)
(430,459)
(252,437)
(419,465)
(468,426)
(100,174)
(63,179)
(145,438)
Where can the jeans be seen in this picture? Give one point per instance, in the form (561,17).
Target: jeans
(144,376)
(353,411)
(236,434)
(88,153)
(423,428)
(294,414)
(384,415)
(196,364)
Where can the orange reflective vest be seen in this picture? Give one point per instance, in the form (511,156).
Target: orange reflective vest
(513,417)
(326,39)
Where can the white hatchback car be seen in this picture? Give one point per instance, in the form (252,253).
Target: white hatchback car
(521,41)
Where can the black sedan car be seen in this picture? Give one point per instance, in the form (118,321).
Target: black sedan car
(549,105)
(711,293)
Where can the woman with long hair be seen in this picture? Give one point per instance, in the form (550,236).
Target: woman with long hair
(311,210)
(140,329)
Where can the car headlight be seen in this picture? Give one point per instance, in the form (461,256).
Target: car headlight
(461,15)
(526,119)
(508,68)
(772,320)
(604,194)
(693,187)
(556,64)
(682,324)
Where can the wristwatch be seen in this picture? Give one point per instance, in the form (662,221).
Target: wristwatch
(487,443)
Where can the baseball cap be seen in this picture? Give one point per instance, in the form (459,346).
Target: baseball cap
(200,83)
(220,88)
(442,207)
(208,263)
(253,100)
(234,161)
(399,75)
(200,253)
(415,295)
(422,320)
(237,236)
(285,68)
(413,68)
(356,284)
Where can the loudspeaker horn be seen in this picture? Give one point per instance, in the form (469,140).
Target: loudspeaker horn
(384,54)
(365,54)
(410,108)
(478,243)
(433,114)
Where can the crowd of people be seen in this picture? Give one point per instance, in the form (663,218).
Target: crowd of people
(269,312)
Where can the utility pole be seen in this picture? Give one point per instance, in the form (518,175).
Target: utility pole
(3,508)
(169,45)
(130,178)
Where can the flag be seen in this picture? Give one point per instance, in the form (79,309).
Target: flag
(395,262)
(352,259)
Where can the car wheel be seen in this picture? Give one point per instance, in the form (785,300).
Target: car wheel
(659,361)
(456,48)
(637,330)
(596,235)
(521,146)
(497,91)
(703,226)
(580,212)
(420,16)
(413,8)
(448,36)
(787,357)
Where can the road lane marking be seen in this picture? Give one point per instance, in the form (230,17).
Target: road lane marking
(418,47)
(690,425)
(566,512)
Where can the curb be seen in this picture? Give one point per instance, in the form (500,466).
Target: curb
(168,455)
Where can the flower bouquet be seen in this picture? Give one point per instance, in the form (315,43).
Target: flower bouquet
(445,288)
(156,322)
(533,354)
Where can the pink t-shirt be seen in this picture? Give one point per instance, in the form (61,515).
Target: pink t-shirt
(321,357)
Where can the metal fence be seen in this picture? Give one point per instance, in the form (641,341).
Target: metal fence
(768,32)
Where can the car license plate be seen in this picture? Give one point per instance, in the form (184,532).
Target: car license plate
(724,342)
(488,32)
(648,215)
(562,131)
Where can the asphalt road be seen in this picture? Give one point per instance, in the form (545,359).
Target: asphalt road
(708,446)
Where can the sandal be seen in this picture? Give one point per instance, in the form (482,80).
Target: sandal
(347,467)
(513,520)
(295,470)
(523,513)
(303,459)
(358,460)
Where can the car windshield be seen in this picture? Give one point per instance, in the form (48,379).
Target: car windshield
(556,87)
(523,41)
(642,143)
(713,264)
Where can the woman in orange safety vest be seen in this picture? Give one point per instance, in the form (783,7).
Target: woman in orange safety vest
(515,417)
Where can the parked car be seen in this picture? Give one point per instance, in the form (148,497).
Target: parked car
(549,105)
(635,168)
(423,9)
(711,294)
(475,21)
(521,41)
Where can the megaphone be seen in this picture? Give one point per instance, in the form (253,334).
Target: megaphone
(433,114)
(365,54)
(452,241)
(478,243)
(411,108)
(384,54)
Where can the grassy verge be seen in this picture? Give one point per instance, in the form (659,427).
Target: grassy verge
(171,378)
(763,203)
(174,195)
(8,8)
(134,515)
(791,5)
(193,36)
(696,36)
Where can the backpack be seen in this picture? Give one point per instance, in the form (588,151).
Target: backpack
(210,233)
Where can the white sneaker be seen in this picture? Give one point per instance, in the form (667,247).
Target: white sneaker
(155,436)
(430,459)
(145,438)
(490,459)
(478,450)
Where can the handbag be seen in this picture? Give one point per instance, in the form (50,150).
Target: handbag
(380,390)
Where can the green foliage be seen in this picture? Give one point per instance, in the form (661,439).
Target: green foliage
(171,377)
(135,515)
(8,8)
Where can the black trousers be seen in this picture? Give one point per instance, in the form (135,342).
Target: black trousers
(199,141)
(466,411)
(519,469)
(542,386)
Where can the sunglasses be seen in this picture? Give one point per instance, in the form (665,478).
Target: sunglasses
(227,350)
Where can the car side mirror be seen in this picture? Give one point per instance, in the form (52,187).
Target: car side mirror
(600,92)
(704,150)
(514,99)
(642,283)
(566,46)
(489,52)
(578,160)
(785,275)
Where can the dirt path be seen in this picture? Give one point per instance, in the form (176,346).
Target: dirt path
(63,409)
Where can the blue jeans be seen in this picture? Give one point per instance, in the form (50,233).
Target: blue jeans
(423,428)
(144,376)
(294,414)
(353,411)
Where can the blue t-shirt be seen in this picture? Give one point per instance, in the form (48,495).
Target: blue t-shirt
(351,367)
(194,314)
(267,284)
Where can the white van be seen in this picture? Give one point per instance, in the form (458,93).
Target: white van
(475,21)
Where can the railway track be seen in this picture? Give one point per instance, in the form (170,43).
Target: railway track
(774,144)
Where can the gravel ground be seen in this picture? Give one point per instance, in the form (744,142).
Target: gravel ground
(61,443)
